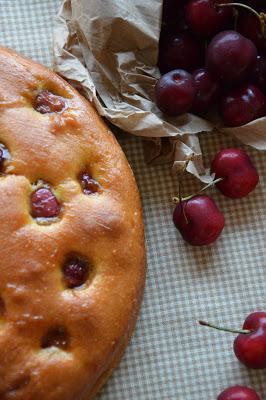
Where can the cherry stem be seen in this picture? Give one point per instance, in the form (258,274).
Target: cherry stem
(177,199)
(238,331)
(260,16)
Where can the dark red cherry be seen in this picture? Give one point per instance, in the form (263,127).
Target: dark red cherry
(44,204)
(230,57)
(199,220)
(250,348)
(259,72)
(250,26)
(250,344)
(205,17)
(238,393)
(75,272)
(172,18)
(47,102)
(208,90)
(181,51)
(239,174)
(175,92)
(242,105)
(88,184)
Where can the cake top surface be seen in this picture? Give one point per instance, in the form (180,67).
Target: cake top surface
(72,247)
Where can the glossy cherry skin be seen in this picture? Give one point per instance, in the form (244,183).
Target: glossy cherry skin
(44,204)
(239,174)
(75,272)
(47,102)
(205,18)
(175,92)
(180,51)
(250,349)
(88,184)
(230,57)
(249,26)
(203,223)
(208,90)
(238,393)
(243,105)
(259,72)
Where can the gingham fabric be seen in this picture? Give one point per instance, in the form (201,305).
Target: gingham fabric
(170,356)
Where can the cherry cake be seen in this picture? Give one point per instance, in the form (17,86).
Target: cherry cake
(72,263)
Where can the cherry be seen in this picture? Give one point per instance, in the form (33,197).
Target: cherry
(249,25)
(205,18)
(250,348)
(88,184)
(75,272)
(230,57)
(179,51)
(172,18)
(238,393)
(250,344)
(47,102)
(242,105)
(44,204)
(208,90)
(175,92)
(259,72)
(199,220)
(239,175)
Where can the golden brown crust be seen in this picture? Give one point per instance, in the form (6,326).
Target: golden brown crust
(105,228)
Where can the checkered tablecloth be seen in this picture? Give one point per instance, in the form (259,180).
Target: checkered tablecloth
(170,356)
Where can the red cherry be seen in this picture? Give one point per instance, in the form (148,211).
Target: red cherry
(242,105)
(199,220)
(250,348)
(44,204)
(172,18)
(47,102)
(230,57)
(75,272)
(250,344)
(259,72)
(250,26)
(175,92)
(205,18)
(208,90)
(238,393)
(179,51)
(239,175)
(88,184)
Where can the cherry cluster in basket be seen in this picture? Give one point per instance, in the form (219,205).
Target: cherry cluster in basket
(213,54)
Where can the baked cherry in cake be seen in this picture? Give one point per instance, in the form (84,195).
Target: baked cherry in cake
(88,184)
(75,272)
(44,204)
(47,102)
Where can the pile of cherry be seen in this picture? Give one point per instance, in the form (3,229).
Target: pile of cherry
(213,55)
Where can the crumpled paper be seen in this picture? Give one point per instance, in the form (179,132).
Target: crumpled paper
(108,50)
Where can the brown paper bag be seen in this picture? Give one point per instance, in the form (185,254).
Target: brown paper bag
(108,49)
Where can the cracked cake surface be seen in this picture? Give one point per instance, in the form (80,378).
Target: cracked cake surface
(72,265)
